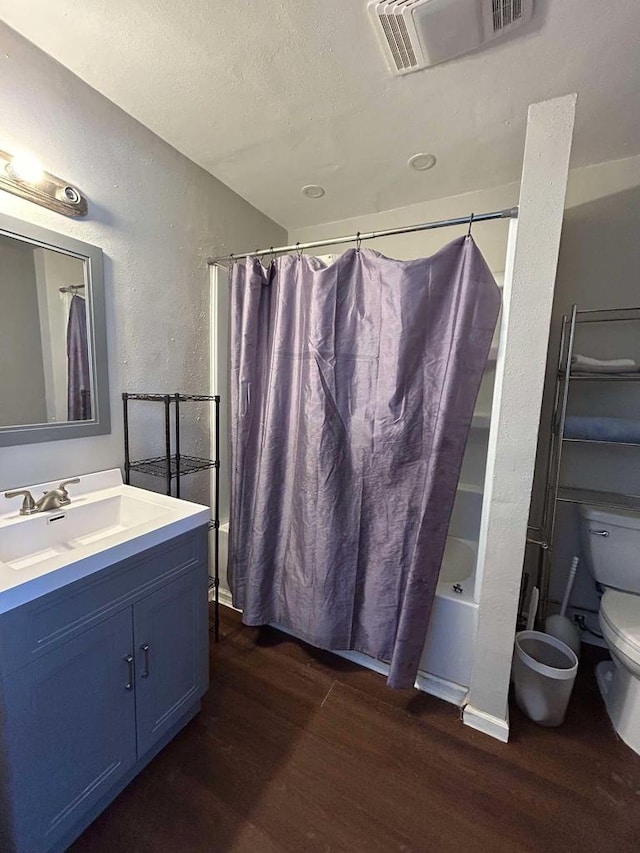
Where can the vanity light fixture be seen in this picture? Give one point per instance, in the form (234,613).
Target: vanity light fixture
(23,175)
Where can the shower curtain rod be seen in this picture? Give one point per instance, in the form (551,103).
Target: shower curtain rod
(508,213)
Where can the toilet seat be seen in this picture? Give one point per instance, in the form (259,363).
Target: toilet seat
(620,622)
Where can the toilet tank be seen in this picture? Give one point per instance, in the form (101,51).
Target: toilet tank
(611,543)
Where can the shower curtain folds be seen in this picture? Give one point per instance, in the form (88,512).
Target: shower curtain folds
(352,391)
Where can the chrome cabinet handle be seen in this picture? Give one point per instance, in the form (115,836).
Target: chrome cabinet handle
(145,648)
(599,532)
(128,659)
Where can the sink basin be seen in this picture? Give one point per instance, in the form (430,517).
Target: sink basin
(106,520)
(48,535)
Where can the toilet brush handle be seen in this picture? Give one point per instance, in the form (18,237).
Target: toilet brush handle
(533,608)
(567,593)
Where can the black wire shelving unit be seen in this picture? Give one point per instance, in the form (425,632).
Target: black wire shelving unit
(172,465)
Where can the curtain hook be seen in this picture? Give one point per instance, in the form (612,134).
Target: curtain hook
(299,251)
(273,256)
(358,242)
(470,224)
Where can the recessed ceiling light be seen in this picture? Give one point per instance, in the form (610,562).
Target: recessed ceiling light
(313,191)
(421,162)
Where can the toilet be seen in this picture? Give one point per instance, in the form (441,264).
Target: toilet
(611,542)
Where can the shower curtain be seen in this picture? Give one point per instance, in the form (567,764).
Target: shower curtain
(78,374)
(352,391)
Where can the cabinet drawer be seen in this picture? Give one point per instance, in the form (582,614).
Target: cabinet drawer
(43,624)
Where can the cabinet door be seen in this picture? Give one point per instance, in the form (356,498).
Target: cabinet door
(172,642)
(69,730)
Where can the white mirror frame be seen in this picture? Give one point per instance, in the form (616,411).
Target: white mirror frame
(100,424)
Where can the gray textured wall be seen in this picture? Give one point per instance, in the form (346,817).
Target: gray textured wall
(156,215)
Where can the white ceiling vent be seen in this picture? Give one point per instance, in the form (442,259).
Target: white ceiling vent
(418,33)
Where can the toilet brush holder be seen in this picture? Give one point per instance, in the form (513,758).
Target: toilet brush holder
(563,629)
(559,625)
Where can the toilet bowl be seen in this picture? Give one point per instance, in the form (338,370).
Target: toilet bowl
(611,543)
(619,679)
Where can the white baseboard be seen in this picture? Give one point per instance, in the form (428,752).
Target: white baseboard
(486,723)
(224,597)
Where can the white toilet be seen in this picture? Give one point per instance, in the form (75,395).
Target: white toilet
(611,541)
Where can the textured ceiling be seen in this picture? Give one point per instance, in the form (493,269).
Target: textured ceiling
(269,95)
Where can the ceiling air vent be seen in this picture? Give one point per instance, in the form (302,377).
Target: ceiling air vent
(418,33)
(505,14)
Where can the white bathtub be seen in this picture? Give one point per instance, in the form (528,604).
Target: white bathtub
(445,666)
(448,649)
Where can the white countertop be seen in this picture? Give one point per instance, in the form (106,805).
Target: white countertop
(78,550)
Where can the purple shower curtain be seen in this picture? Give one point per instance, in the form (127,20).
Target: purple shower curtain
(78,374)
(352,392)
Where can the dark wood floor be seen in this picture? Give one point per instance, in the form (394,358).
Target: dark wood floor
(297,751)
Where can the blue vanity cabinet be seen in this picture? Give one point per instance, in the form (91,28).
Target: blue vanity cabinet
(72,732)
(95,678)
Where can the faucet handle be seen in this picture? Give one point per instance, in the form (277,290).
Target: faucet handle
(68,483)
(28,504)
(63,486)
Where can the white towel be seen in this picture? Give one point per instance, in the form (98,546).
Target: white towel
(586,364)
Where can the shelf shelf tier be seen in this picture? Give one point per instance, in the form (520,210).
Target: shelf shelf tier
(602,441)
(176,466)
(594,497)
(601,377)
(183,398)
(595,315)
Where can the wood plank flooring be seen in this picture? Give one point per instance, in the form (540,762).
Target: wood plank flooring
(298,751)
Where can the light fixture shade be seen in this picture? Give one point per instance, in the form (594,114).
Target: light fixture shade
(25,169)
(24,177)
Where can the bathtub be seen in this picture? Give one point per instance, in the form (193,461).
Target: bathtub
(447,659)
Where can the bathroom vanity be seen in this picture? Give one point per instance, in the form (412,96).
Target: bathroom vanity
(103,651)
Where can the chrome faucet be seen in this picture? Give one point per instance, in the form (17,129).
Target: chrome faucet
(54,499)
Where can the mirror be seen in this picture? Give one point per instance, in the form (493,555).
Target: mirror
(53,353)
